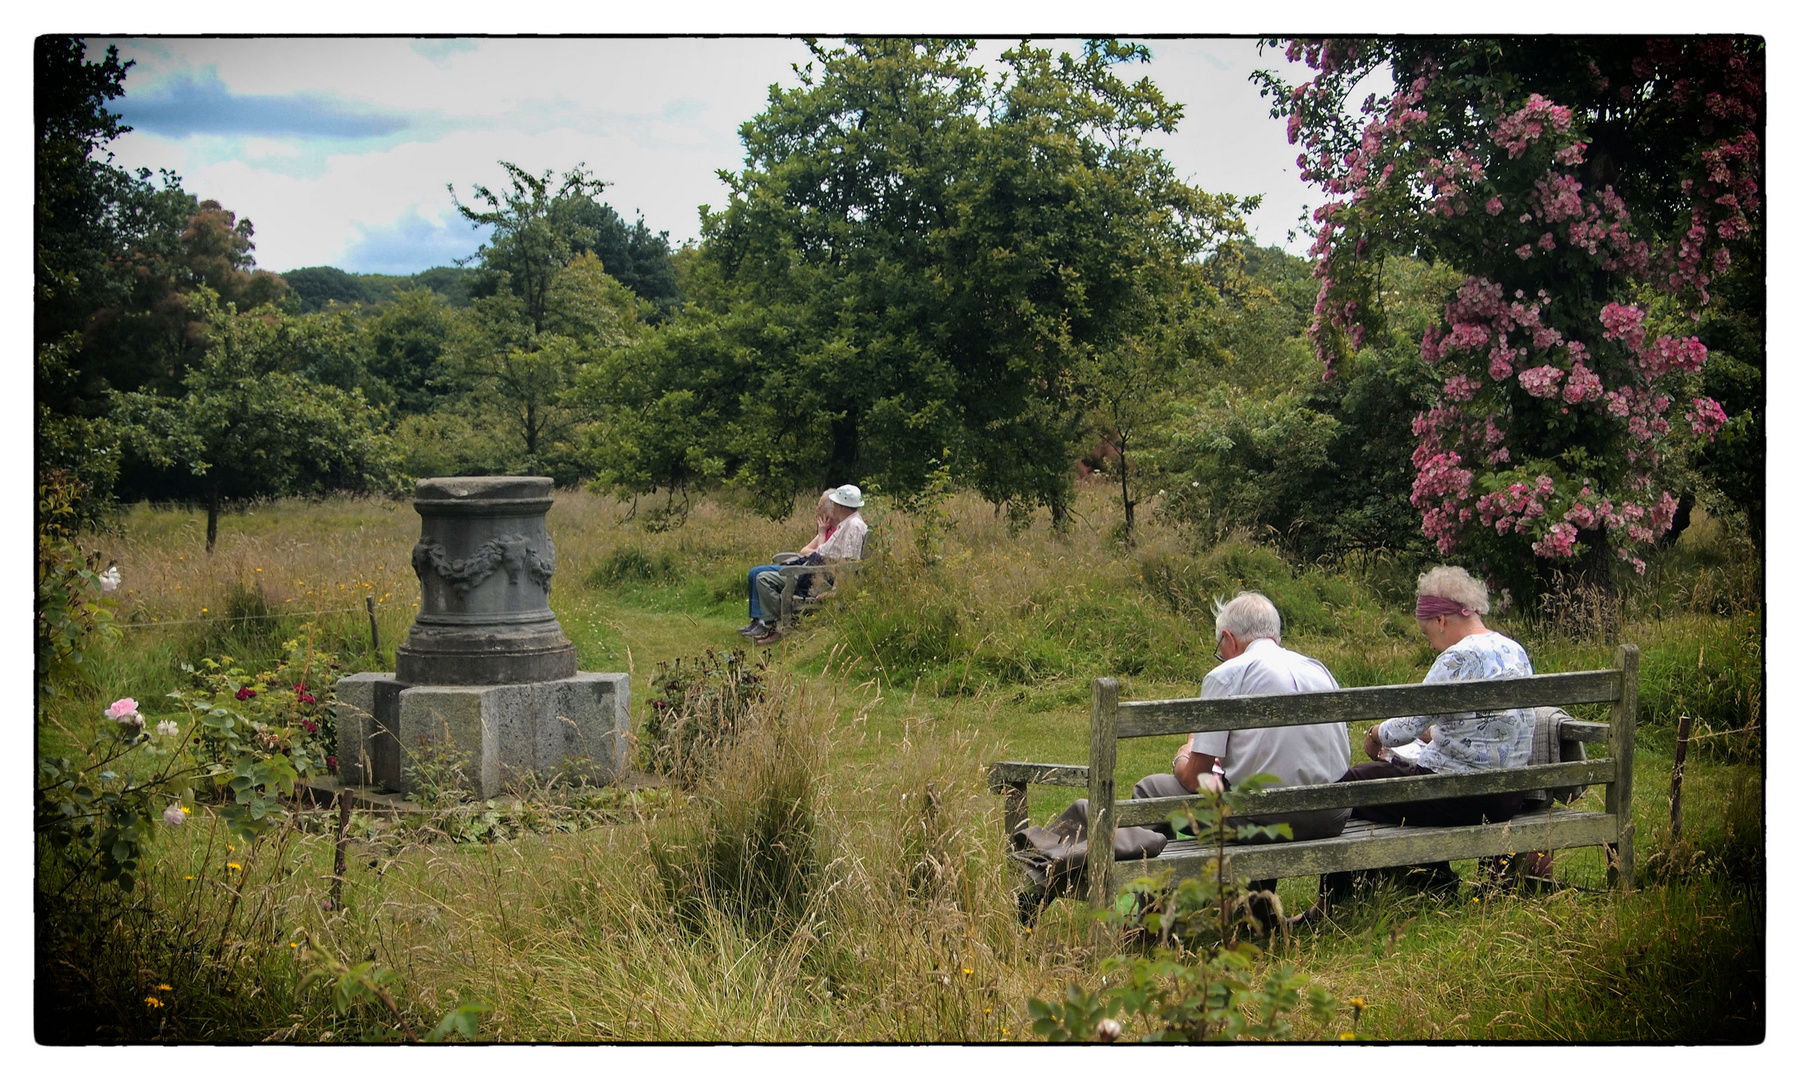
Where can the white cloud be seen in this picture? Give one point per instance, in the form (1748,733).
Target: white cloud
(656,118)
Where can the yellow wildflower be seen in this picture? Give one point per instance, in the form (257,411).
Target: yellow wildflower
(232,866)
(153,1001)
(164,986)
(1346,1035)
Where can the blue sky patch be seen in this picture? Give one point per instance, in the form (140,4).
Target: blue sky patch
(410,244)
(203,105)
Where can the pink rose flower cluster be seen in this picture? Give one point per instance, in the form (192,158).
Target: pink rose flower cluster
(1517,132)
(1605,378)
(1706,417)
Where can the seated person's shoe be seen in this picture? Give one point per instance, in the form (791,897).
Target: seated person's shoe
(767,637)
(757,628)
(1312,916)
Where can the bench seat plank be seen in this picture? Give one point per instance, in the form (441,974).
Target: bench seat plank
(1386,791)
(1368,845)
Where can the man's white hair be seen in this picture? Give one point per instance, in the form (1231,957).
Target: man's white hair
(1247,616)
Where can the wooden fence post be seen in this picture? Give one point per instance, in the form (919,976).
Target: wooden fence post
(1681,744)
(1103,747)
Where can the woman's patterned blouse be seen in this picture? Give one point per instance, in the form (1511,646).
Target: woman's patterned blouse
(1471,741)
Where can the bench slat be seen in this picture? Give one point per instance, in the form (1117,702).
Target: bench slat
(1395,789)
(1004,774)
(1385,845)
(1139,719)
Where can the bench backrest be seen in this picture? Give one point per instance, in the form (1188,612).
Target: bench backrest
(1113,720)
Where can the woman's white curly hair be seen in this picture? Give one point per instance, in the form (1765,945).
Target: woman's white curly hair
(1455,583)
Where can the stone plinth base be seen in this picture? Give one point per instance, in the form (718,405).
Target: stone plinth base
(502,732)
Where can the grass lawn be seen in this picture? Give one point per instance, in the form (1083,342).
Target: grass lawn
(958,644)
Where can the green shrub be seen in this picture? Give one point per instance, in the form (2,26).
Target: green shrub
(633,565)
(696,708)
(751,848)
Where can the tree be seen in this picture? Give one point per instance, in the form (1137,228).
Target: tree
(1589,190)
(247,425)
(637,257)
(536,230)
(407,339)
(917,264)
(87,213)
(517,369)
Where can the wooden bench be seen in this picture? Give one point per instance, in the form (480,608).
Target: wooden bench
(791,603)
(1364,845)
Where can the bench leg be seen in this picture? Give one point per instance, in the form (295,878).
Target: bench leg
(1015,809)
(1619,869)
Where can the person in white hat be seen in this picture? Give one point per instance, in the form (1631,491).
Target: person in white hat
(842,530)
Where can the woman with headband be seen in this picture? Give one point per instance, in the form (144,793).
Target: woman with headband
(1450,606)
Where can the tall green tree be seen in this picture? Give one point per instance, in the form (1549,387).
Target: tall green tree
(919,260)
(248,424)
(517,369)
(638,258)
(536,227)
(87,213)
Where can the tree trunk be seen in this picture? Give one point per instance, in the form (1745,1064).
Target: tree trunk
(212,516)
(1125,493)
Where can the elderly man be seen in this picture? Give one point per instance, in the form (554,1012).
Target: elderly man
(840,538)
(1252,661)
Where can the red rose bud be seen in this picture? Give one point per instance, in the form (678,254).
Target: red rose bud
(245,694)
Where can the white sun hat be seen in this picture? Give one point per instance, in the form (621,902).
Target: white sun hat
(849,495)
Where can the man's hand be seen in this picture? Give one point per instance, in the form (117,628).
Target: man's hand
(1372,744)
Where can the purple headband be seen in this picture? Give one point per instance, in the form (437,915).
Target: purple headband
(1430,607)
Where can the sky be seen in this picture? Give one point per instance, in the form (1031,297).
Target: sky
(340,150)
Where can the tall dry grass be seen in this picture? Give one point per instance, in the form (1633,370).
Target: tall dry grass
(961,640)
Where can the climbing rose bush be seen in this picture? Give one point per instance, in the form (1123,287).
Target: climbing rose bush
(1590,192)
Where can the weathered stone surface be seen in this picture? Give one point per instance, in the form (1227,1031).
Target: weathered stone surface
(484,561)
(368,713)
(486,669)
(576,726)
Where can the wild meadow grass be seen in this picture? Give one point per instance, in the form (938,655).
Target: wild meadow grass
(843,877)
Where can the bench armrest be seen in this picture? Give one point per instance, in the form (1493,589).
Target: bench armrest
(1005,774)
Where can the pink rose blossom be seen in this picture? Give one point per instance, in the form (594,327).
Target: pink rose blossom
(1541,381)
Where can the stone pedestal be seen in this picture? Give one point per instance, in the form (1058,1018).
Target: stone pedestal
(486,671)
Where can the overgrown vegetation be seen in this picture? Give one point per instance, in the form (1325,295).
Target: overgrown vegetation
(836,872)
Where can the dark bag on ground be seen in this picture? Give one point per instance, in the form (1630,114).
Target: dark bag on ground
(1055,855)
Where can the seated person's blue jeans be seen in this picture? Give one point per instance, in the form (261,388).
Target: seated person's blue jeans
(755,607)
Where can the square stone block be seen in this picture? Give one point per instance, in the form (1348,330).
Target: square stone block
(503,732)
(368,722)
